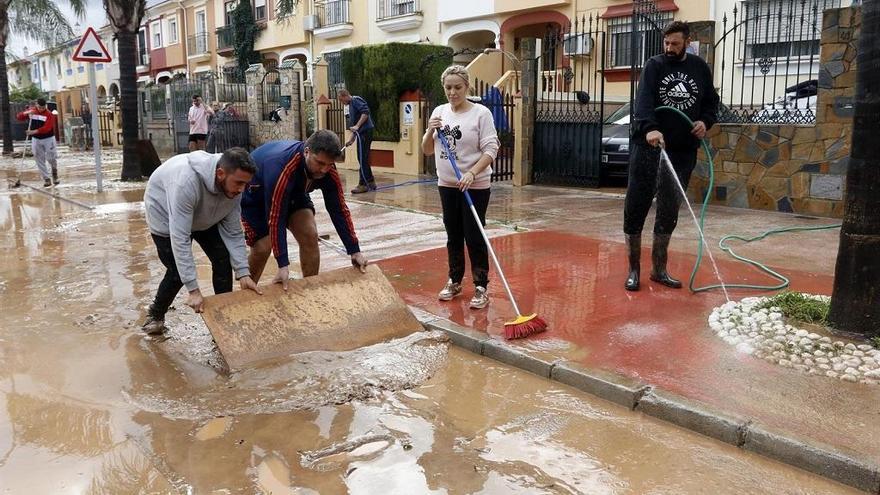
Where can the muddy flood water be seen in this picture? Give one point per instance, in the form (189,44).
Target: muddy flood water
(89,405)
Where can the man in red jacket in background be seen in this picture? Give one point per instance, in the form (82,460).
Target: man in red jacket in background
(41,130)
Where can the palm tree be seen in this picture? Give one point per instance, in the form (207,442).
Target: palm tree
(855,301)
(125,16)
(39,20)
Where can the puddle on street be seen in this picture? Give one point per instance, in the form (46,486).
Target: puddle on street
(88,405)
(303,381)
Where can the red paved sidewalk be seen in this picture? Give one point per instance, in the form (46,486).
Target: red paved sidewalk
(658,335)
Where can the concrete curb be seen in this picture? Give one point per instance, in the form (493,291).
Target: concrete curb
(637,395)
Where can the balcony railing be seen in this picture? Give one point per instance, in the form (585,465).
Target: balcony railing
(225,38)
(197,44)
(396,8)
(333,12)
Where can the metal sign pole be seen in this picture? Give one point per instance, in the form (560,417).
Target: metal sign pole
(96,130)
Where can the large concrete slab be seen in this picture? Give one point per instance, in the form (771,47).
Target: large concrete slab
(334,311)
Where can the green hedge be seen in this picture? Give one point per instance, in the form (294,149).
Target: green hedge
(381,73)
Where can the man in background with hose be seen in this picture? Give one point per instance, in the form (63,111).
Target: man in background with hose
(361,126)
(684,82)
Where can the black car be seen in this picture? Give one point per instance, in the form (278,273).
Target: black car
(615,143)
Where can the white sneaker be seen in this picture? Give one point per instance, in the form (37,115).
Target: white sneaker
(481,298)
(450,291)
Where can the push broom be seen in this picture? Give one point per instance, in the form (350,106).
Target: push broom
(523,325)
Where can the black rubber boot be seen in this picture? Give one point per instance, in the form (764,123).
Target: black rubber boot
(634,251)
(659,256)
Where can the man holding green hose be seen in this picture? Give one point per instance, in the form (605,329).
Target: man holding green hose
(683,81)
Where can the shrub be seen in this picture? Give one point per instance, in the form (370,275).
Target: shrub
(381,73)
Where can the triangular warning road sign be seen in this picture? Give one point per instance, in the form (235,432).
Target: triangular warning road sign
(91,48)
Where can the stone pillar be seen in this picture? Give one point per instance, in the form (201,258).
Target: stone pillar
(522,171)
(290,72)
(254,79)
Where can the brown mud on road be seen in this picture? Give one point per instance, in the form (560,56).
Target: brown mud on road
(89,405)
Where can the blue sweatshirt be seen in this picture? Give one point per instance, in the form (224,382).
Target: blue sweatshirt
(281,173)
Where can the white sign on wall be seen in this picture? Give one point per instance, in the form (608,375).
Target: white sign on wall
(408,117)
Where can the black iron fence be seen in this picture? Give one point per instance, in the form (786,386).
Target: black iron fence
(395,8)
(767,60)
(333,12)
(271,93)
(158,108)
(336,119)
(571,96)
(502,107)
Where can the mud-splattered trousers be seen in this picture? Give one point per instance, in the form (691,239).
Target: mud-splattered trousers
(646,179)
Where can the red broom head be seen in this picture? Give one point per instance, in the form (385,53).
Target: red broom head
(524,326)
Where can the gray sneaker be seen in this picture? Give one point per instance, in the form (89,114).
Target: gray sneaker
(153,326)
(450,291)
(481,298)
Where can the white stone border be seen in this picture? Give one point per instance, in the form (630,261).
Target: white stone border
(764,334)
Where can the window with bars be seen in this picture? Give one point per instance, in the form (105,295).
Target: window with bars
(782,28)
(649,35)
(334,72)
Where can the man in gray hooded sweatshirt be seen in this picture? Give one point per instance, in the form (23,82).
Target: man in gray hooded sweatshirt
(197,196)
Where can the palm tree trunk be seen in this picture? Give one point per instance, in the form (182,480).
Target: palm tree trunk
(5,118)
(131,163)
(855,301)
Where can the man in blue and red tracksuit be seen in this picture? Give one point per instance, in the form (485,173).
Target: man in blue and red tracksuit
(277,199)
(41,130)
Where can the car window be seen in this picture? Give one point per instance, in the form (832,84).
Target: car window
(619,114)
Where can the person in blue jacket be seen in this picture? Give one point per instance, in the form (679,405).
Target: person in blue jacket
(360,123)
(277,200)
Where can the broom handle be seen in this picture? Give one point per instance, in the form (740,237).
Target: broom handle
(470,203)
(27,139)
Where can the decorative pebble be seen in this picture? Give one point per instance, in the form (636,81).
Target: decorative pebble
(765,334)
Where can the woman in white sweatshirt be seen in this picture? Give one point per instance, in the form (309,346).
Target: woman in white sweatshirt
(472,139)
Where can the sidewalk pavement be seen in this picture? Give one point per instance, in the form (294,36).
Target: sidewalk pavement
(652,350)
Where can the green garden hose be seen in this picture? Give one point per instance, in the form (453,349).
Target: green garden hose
(722,244)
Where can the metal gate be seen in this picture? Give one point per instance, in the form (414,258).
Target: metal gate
(181,93)
(429,166)
(570,104)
